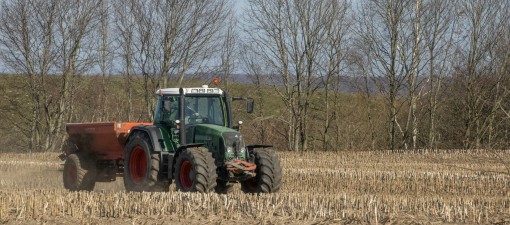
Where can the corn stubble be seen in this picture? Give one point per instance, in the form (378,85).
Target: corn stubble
(452,186)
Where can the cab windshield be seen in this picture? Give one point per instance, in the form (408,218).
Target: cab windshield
(204,110)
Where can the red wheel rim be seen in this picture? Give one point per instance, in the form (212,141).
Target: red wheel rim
(72,174)
(185,175)
(138,164)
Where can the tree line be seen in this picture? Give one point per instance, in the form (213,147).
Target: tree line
(428,73)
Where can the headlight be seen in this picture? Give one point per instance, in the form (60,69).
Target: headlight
(242,150)
(230,149)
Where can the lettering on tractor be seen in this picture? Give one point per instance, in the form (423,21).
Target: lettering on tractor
(192,141)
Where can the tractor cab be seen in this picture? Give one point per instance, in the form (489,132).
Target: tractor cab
(200,106)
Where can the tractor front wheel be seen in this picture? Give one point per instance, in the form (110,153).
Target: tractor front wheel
(268,173)
(79,173)
(195,171)
(141,166)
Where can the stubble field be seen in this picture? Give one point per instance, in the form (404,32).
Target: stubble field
(382,187)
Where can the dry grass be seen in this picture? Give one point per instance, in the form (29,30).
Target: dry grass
(348,187)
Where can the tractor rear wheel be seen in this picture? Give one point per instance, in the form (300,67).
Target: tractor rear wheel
(79,173)
(268,176)
(141,166)
(195,171)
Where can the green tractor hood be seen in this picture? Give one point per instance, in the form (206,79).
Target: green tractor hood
(225,143)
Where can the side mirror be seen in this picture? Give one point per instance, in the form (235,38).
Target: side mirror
(249,103)
(249,106)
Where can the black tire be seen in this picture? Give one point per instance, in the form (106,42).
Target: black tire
(141,166)
(268,173)
(223,187)
(195,171)
(79,173)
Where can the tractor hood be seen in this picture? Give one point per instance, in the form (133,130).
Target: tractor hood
(225,143)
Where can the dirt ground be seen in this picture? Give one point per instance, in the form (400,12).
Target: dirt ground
(363,189)
(42,174)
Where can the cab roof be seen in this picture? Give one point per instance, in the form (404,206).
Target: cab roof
(206,90)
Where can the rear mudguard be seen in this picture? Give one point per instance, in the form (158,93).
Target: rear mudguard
(154,135)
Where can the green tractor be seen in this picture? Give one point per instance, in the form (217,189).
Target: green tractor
(194,142)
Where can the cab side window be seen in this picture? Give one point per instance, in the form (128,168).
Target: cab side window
(170,108)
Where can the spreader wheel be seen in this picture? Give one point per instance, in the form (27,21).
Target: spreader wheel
(141,166)
(268,173)
(79,173)
(195,171)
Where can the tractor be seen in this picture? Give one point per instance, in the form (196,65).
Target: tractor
(192,142)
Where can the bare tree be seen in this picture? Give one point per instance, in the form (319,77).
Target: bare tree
(254,70)
(335,47)
(228,52)
(105,54)
(74,25)
(124,41)
(204,21)
(481,22)
(289,37)
(413,71)
(18,40)
(40,38)
(382,28)
(162,39)
(438,32)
